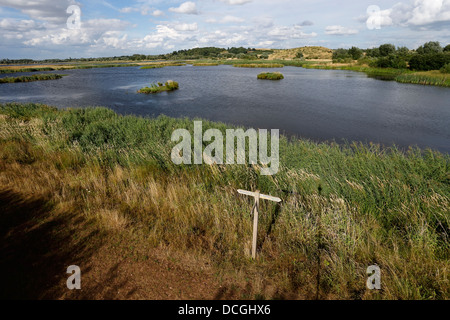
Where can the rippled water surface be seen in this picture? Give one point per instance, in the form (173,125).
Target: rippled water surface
(315,104)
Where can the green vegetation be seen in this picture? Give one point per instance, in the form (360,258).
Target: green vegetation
(153,66)
(103,66)
(159,87)
(205,64)
(66,67)
(270,76)
(425,78)
(37,77)
(259,65)
(345,207)
(16,70)
(446,68)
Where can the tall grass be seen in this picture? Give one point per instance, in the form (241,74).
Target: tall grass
(15,70)
(434,78)
(160,87)
(37,77)
(206,64)
(259,65)
(270,76)
(345,207)
(425,78)
(155,66)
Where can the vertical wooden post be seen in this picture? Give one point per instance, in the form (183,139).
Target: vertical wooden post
(257,195)
(255,224)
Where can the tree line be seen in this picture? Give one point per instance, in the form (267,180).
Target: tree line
(429,56)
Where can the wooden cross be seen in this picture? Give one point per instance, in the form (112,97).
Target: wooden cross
(257,195)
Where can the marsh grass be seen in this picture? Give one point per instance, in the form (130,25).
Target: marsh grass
(160,87)
(270,76)
(259,65)
(345,207)
(206,64)
(37,77)
(16,70)
(62,67)
(434,78)
(156,66)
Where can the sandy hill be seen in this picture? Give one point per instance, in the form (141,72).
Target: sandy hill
(321,53)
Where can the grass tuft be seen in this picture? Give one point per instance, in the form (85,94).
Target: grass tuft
(270,76)
(159,87)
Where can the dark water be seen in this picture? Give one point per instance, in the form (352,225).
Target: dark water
(316,104)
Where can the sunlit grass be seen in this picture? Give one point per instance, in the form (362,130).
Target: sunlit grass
(37,77)
(352,205)
(270,76)
(160,87)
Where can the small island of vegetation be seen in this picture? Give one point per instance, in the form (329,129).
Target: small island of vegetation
(270,76)
(259,65)
(205,64)
(159,87)
(36,77)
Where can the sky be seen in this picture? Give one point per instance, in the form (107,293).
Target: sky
(40,29)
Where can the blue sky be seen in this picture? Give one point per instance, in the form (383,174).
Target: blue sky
(38,28)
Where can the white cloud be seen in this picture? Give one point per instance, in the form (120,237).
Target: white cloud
(186,27)
(340,30)
(421,13)
(185,8)
(231,19)
(53,11)
(236,2)
(157,13)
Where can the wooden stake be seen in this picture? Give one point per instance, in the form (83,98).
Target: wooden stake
(257,195)
(255,224)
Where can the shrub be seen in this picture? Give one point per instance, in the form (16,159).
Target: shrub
(392,61)
(341,54)
(386,50)
(446,68)
(355,53)
(430,47)
(159,87)
(270,76)
(426,62)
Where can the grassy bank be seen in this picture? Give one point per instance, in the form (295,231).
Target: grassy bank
(62,67)
(160,87)
(206,64)
(258,65)
(37,77)
(156,66)
(270,76)
(434,78)
(344,207)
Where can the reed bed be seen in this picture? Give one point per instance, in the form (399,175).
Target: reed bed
(270,76)
(205,64)
(345,207)
(160,87)
(37,77)
(259,65)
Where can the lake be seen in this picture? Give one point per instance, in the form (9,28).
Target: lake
(316,104)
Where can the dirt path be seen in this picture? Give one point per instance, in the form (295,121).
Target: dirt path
(37,245)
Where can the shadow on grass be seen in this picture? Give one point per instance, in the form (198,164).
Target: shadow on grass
(37,247)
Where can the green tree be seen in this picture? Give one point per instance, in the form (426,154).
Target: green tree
(386,49)
(355,53)
(430,47)
(341,54)
(447,48)
(373,53)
